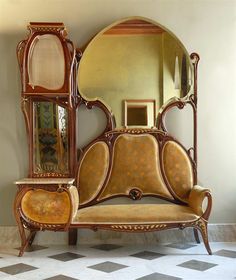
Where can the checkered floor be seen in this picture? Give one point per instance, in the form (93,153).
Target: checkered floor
(116,262)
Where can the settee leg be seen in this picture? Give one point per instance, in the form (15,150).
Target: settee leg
(196,236)
(202,226)
(32,237)
(27,242)
(72,236)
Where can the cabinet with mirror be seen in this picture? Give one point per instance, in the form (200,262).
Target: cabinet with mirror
(48,72)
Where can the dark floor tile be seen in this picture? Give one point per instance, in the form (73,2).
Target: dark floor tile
(107,266)
(226,253)
(147,255)
(158,276)
(197,265)
(182,246)
(17,268)
(61,277)
(67,256)
(106,247)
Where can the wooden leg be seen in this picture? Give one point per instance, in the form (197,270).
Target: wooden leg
(73,236)
(195,231)
(27,243)
(32,238)
(202,226)
(23,239)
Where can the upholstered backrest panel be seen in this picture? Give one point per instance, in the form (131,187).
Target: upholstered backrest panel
(135,165)
(93,170)
(178,169)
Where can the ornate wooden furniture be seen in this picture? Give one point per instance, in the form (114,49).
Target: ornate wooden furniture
(134,59)
(50,199)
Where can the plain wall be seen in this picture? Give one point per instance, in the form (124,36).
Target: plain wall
(207,27)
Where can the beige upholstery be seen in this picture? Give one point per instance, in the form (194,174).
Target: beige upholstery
(135,214)
(135,165)
(46,207)
(178,169)
(93,171)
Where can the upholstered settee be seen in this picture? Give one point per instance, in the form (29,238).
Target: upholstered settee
(125,163)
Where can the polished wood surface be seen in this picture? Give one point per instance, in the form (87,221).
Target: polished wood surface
(69,97)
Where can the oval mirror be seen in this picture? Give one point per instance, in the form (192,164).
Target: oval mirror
(134,67)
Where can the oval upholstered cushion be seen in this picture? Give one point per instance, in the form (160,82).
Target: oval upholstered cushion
(46,207)
(178,169)
(92,171)
(135,166)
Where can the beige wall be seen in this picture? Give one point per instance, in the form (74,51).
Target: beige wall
(207,27)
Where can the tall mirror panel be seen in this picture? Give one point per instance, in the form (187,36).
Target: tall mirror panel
(50,138)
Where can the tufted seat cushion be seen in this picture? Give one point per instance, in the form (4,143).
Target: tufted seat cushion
(134,213)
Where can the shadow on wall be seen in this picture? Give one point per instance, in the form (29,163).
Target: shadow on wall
(13,141)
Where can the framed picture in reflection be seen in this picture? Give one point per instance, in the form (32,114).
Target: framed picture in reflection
(139,113)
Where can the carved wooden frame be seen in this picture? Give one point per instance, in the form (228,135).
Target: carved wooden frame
(180,103)
(23,48)
(69,97)
(161,138)
(65,96)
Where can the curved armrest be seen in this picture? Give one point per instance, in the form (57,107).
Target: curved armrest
(196,198)
(74,198)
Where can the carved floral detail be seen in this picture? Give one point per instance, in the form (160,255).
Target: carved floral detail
(135,194)
(138,227)
(42,175)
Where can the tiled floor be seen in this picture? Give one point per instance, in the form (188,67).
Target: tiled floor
(116,262)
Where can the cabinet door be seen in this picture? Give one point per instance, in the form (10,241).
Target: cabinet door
(47,61)
(50,139)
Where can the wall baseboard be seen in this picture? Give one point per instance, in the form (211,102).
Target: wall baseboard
(9,236)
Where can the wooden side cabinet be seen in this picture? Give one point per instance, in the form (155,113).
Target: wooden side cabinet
(43,203)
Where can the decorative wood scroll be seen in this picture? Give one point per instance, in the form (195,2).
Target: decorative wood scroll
(48,68)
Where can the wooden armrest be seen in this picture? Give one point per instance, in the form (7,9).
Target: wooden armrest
(196,198)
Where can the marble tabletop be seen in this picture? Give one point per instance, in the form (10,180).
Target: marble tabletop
(46,181)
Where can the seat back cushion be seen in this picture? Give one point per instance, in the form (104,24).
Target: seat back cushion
(135,166)
(92,171)
(135,162)
(178,169)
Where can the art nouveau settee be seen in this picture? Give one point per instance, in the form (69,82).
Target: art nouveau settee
(132,163)
(136,63)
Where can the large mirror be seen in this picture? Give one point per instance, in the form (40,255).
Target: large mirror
(134,67)
(50,138)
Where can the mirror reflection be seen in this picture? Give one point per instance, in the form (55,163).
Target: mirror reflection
(50,138)
(134,59)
